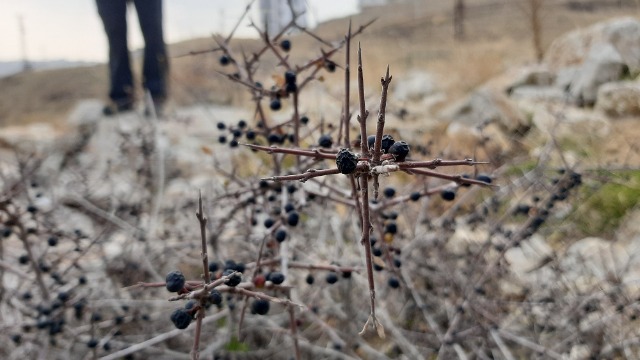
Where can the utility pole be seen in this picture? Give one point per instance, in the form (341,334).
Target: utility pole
(26,65)
(458,20)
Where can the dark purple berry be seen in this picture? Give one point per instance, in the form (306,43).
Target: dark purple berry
(376,251)
(234,280)
(242,124)
(269,222)
(465,184)
(291,88)
(385,144)
(221,126)
(276,277)
(290,77)
(310,279)
(391,228)
(394,283)
(250,134)
(222,139)
(274,138)
(285,45)
(448,194)
(346,161)
(233,143)
(415,196)
(215,297)
(280,235)
(275,105)
(224,60)
(213,266)
(330,66)
(331,278)
(190,305)
(289,208)
(293,218)
(389,192)
(484,178)
(400,150)
(175,281)
(52,241)
(260,307)
(181,318)
(325,141)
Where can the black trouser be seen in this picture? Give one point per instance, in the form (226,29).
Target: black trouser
(114,17)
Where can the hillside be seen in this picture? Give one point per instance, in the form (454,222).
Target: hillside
(406,36)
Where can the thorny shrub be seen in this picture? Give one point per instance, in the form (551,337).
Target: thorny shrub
(314,233)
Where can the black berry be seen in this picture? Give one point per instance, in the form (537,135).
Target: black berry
(224,60)
(385,144)
(484,178)
(275,105)
(221,126)
(330,66)
(23,259)
(290,77)
(52,241)
(285,45)
(289,207)
(393,283)
(234,280)
(215,297)
(92,343)
(293,218)
(304,120)
(280,235)
(175,281)
(448,194)
(213,266)
(269,222)
(274,138)
(391,228)
(222,139)
(400,150)
(331,278)
(260,307)
(242,124)
(181,318)
(346,161)
(250,134)
(276,277)
(310,279)
(389,192)
(325,141)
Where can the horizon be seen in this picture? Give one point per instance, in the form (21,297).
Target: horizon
(77,22)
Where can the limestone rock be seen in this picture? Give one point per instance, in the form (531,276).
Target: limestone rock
(603,64)
(487,106)
(619,99)
(572,49)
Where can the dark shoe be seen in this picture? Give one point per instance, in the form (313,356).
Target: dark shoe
(117,107)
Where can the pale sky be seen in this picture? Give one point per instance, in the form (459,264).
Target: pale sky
(72,30)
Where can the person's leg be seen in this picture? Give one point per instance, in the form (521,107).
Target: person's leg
(114,17)
(156,64)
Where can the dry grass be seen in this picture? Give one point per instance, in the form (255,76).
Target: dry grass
(406,36)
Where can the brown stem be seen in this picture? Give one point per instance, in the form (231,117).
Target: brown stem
(315,153)
(347,85)
(294,332)
(203,237)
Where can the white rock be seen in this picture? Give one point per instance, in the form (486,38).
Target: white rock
(603,64)
(619,99)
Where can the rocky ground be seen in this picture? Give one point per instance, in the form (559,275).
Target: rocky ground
(558,237)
